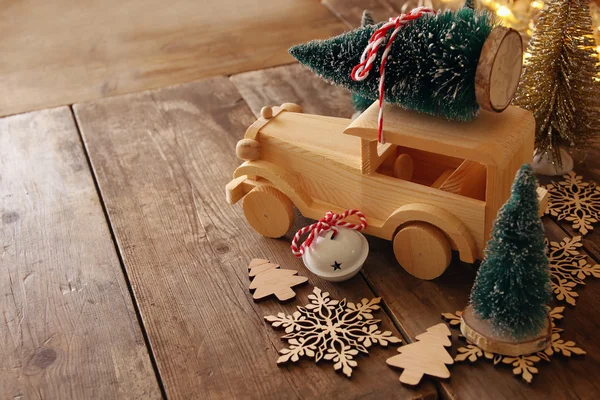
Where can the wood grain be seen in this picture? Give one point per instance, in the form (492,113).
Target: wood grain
(499,69)
(481,333)
(268,211)
(314,95)
(350,11)
(589,168)
(425,356)
(422,250)
(69,329)
(269,281)
(66,51)
(416,305)
(162,160)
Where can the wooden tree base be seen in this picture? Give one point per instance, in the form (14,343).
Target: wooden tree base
(480,333)
(499,69)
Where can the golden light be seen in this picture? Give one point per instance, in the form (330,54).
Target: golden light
(537,4)
(523,14)
(503,11)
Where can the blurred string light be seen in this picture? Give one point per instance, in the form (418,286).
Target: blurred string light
(517,14)
(595,10)
(521,15)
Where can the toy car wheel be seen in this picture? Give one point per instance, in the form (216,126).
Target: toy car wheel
(422,250)
(268,211)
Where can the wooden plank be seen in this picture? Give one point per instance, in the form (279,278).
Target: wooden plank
(350,11)
(416,305)
(69,328)
(162,160)
(315,96)
(467,180)
(589,169)
(127,46)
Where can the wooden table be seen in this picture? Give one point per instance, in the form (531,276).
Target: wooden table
(123,269)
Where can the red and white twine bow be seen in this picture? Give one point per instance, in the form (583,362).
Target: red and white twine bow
(367,59)
(330,222)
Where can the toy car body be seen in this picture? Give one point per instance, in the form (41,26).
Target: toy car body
(435,186)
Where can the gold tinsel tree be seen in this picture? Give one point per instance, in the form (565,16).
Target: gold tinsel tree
(560,79)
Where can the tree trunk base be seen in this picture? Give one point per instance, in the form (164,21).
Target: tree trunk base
(480,333)
(542,164)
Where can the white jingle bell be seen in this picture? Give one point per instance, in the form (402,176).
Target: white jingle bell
(336,255)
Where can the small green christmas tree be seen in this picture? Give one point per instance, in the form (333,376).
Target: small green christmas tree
(431,67)
(513,283)
(360,103)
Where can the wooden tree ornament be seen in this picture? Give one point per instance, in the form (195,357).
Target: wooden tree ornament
(425,357)
(269,280)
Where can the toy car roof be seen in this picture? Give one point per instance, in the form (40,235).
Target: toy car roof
(490,139)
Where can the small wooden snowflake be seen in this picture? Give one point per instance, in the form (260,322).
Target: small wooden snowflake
(569,268)
(332,330)
(575,201)
(525,365)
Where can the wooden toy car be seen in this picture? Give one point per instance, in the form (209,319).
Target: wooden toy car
(435,186)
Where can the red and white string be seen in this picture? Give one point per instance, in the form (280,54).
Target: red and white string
(331,221)
(361,71)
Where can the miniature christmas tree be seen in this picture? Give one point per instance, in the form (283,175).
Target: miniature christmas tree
(270,280)
(426,356)
(360,103)
(431,65)
(513,283)
(560,82)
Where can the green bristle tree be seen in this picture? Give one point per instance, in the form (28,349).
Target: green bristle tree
(360,103)
(431,67)
(513,282)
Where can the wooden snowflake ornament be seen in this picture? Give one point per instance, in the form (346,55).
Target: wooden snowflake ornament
(269,280)
(525,365)
(331,330)
(569,268)
(575,201)
(427,356)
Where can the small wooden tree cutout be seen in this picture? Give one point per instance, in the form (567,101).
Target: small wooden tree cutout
(427,356)
(270,280)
